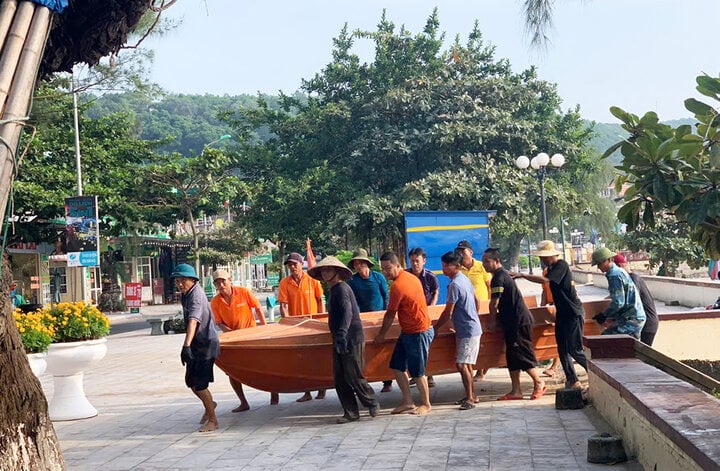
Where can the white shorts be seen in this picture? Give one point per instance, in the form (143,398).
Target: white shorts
(467,350)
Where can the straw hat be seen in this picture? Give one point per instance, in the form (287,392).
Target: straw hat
(361,254)
(330,261)
(602,254)
(546,248)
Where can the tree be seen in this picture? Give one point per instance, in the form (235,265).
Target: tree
(674,171)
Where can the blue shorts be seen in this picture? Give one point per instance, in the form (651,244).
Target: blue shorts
(411,352)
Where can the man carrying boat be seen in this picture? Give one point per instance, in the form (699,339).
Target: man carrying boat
(300,295)
(649,330)
(232,308)
(201,345)
(429,282)
(462,305)
(348,340)
(569,312)
(407,300)
(507,306)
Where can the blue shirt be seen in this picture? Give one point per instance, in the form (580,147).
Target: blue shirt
(371,294)
(622,292)
(465,317)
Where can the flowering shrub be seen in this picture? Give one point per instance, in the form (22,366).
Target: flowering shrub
(78,321)
(64,322)
(36,330)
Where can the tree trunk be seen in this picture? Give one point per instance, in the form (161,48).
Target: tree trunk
(27,436)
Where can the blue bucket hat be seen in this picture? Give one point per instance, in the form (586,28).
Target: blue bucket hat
(184,270)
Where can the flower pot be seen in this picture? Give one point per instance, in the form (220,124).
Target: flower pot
(38,363)
(66,362)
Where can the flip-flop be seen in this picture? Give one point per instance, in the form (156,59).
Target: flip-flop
(464,399)
(467,405)
(538,393)
(510,397)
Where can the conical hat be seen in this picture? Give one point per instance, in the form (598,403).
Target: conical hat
(333,262)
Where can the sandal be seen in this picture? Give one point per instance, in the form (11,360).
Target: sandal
(467,405)
(538,393)
(465,399)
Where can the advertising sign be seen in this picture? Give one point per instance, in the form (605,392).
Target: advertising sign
(82,231)
(261,259)
(133,296)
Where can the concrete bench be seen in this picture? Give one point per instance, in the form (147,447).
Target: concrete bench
(156,324)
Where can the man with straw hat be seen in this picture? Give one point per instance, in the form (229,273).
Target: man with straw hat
(625,310)
(348,340)
(370,289)
(569,312)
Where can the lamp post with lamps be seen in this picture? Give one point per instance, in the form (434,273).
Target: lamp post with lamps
(540,164)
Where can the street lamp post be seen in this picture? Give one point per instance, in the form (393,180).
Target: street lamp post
(539,163)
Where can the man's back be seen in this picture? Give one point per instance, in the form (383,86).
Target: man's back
(408,300)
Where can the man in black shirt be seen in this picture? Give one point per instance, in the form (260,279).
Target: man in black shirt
(507,305)
(649,330)
(348,340)
(569,312)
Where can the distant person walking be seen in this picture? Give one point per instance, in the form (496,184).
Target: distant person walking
(232,308)
(370,289)
(407,300)
(462,306)
(298,295)
(201,345)
(507,306)
(348,341)
(625,311)
(649,330)
(569,312)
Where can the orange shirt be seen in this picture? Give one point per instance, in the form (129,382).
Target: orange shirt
(407,298)
(238,313)
(300,298)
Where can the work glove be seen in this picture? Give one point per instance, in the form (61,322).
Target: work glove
(341,346)
(600,318)
(186,355)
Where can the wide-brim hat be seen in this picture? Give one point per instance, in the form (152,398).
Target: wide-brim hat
(602,254)
(185,271)
(330,261)
(361,254)
(545,248)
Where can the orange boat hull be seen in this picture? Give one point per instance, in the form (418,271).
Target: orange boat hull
(295,355)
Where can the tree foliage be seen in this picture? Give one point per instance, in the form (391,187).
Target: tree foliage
(674,170)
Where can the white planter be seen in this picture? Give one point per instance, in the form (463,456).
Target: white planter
(66,362)
(38,363)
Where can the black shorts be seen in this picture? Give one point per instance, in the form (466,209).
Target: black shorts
(199,374)
(519,349)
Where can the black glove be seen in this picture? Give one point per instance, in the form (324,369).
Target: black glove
(600,318)
(341,346)
(186,355)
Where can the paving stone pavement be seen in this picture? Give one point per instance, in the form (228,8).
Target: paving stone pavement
(148,420)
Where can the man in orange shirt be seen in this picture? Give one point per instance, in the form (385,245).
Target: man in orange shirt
(232,308)
(407,300)
(300,294)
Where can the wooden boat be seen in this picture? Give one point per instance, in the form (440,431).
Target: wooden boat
(295,354)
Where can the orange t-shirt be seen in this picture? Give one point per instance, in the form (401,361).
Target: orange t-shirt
(300,298)
(238,314)
(407,298)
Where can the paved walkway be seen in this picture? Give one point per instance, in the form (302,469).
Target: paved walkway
(148,420)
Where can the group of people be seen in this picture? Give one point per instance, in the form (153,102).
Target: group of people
(408,297)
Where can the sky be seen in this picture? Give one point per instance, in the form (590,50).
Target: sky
(640,55)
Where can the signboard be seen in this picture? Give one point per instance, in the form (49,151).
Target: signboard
(133,296)
(273,279)
(261,259)
(82,231)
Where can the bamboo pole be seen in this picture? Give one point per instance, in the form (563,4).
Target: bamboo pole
(19,97)
(13,47)
(7,12)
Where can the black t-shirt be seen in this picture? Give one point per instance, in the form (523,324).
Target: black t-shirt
(651,317)
(512,310)
(344,315)
(563,290)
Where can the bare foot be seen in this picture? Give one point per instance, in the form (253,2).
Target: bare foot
(479,376)
(304,398)
(204,417)
(241,408)
(386,388)
(575,385)
(320,394)
(422,410)
(403,408)
(274,399)
(209,427)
